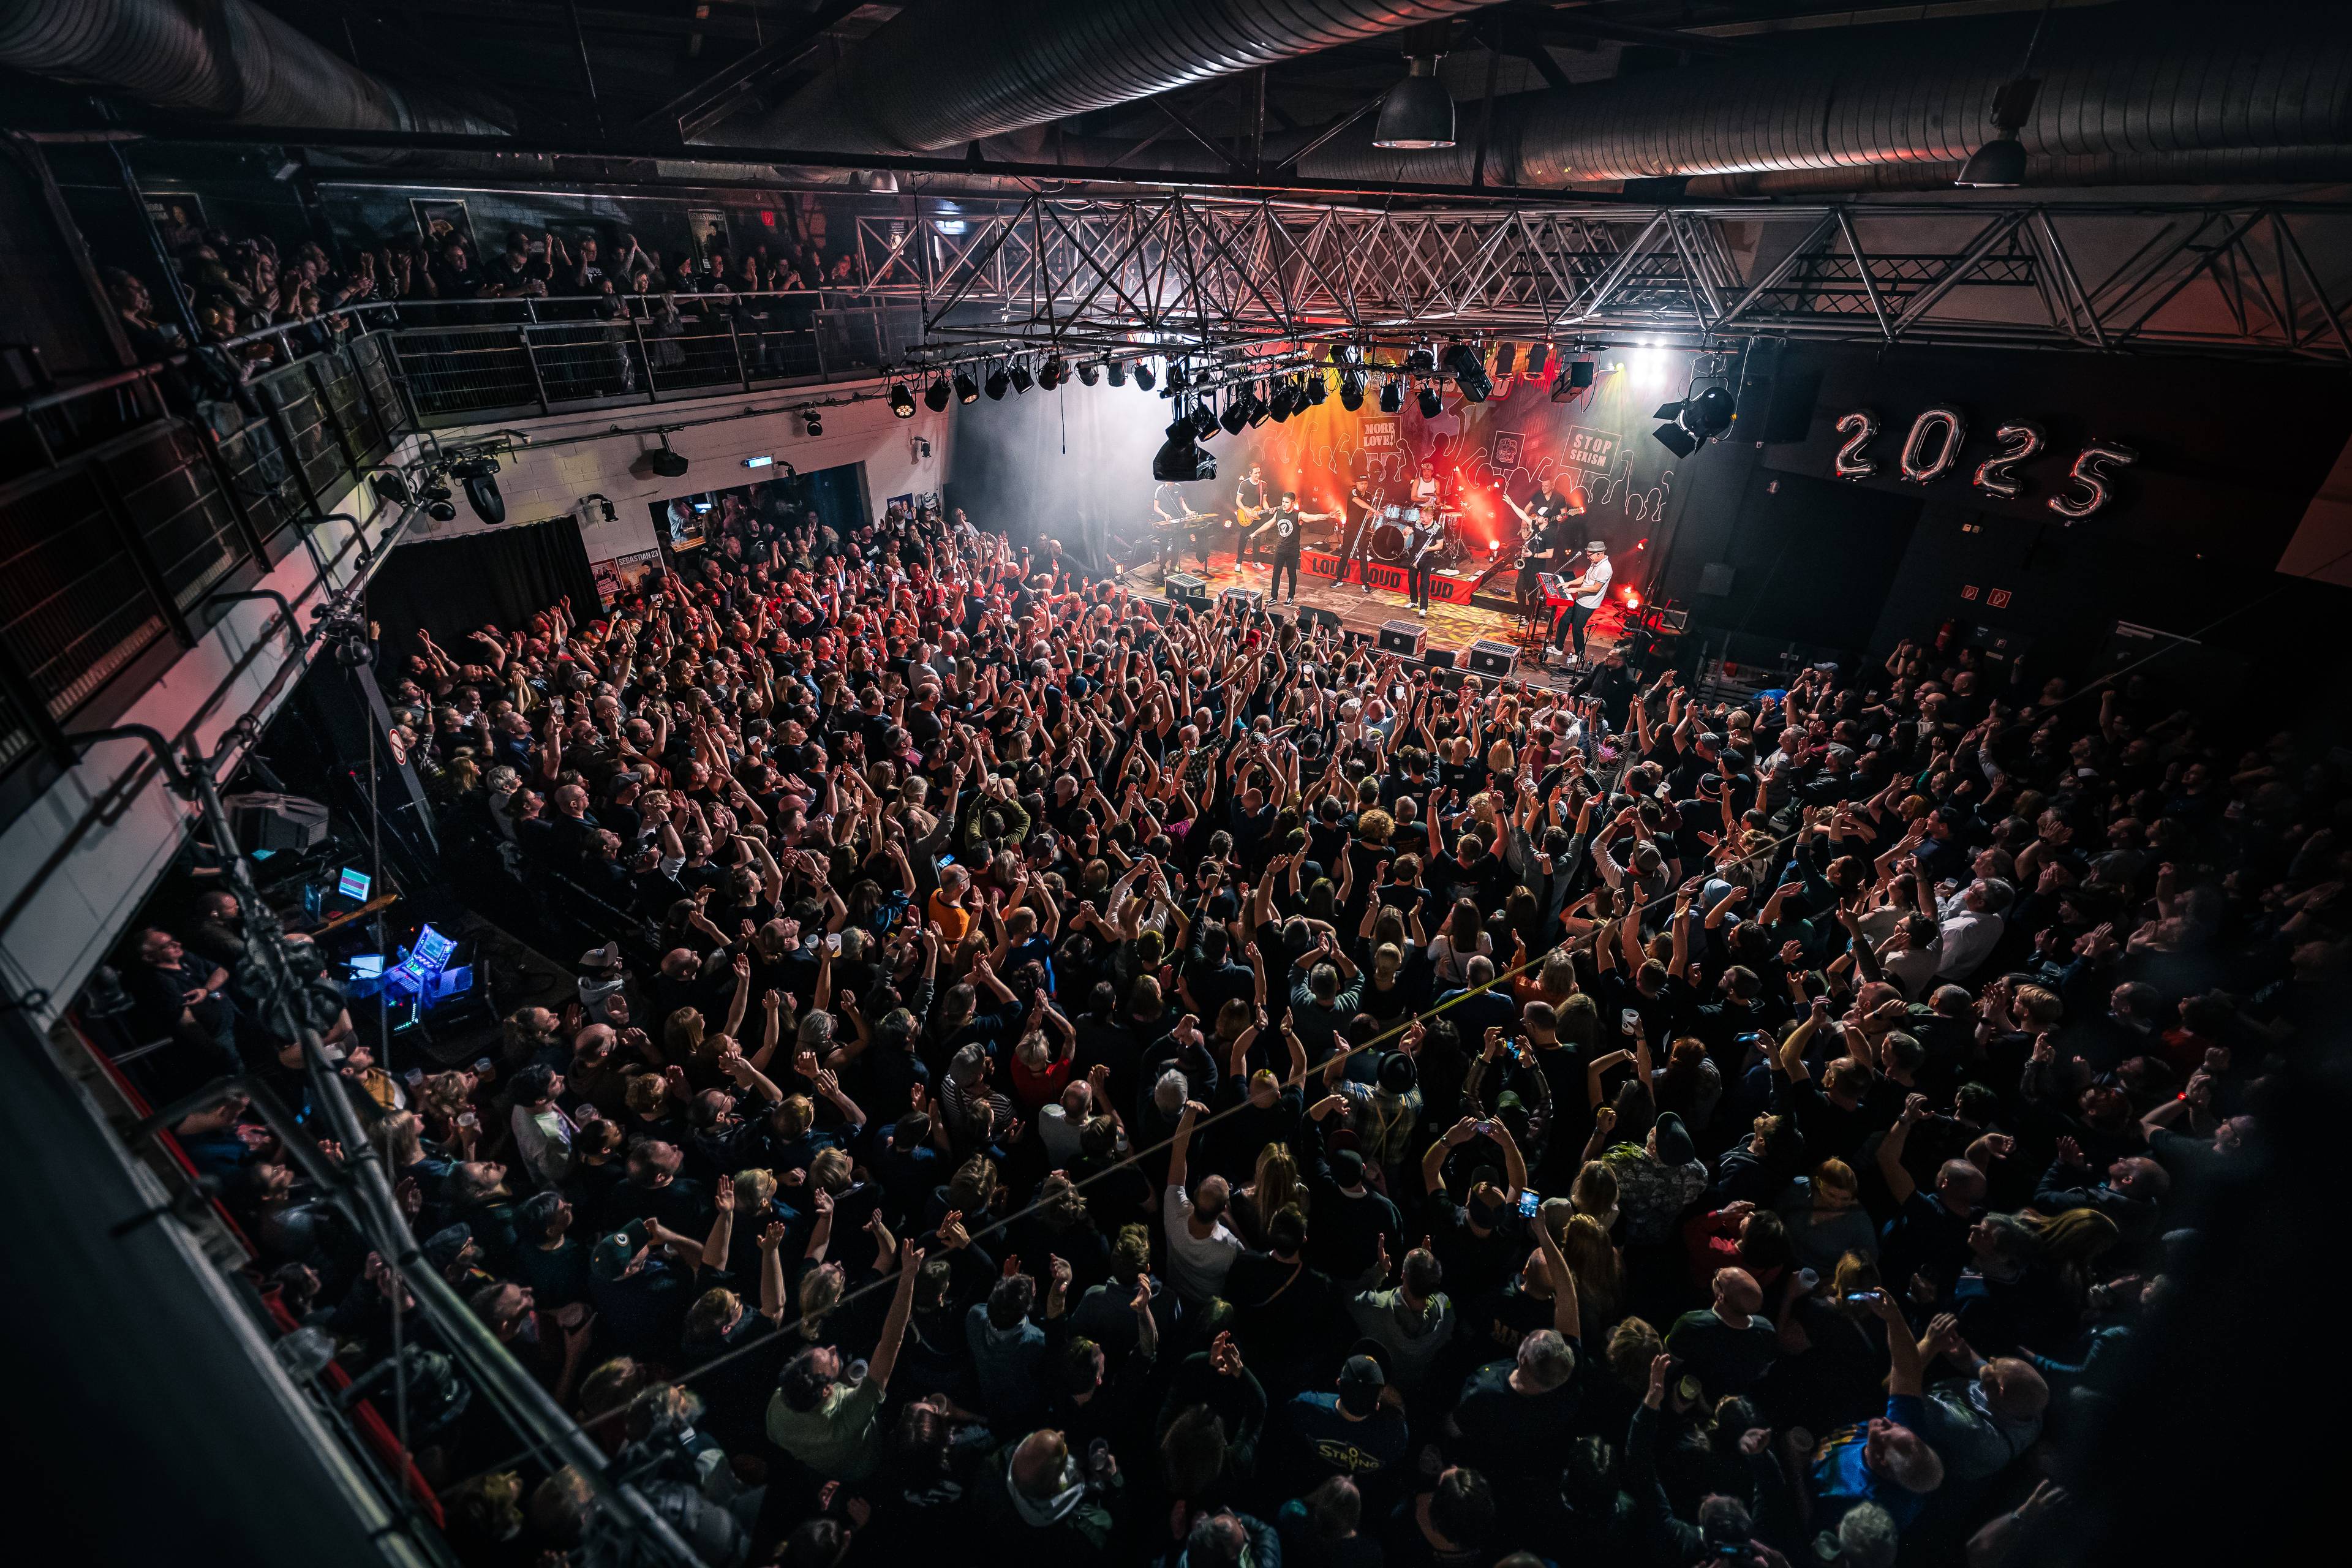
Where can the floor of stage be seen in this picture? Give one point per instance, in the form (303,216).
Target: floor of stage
(1452,626)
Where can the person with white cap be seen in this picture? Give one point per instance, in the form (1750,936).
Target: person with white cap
(1584,596)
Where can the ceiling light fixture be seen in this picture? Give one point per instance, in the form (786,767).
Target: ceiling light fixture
(1417,115)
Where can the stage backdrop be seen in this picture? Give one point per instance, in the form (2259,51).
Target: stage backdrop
(1514,442)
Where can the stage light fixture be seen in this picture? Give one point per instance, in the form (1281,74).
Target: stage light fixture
(1539,354)
(997,384)
(1391,395)
(1237,413)
(812,421)
(1997,165)
(1506,356)
(1319,388)
(1183,459)
(392,487)
(2000,163)
(937,395)
(1050,376)
(482,495)
(1421,361)
(1469,375)
(1022,379)
(1284,402)
(1118,374)
(440,510)
(1351,390)
(1418,112)
(967,390)
(1089,373)
(1176,378)
(1431,405)
(1675,438)
(1708,416)
(1204,419)
(669,464)
(902,402)
(1144,374)
(1258,406)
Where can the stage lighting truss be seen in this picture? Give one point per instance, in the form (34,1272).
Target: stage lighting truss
(1139,275)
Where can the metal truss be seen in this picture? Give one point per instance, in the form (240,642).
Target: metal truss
(1214,274)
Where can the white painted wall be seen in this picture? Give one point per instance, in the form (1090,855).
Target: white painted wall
(544,480)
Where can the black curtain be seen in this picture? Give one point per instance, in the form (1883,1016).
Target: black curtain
(453,586)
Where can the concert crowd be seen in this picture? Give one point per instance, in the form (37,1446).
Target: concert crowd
(1073,1081)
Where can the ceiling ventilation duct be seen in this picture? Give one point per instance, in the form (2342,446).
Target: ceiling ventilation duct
(225,58)
(953,71)
(2127,94)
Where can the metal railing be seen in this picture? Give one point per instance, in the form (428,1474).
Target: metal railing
(127,502)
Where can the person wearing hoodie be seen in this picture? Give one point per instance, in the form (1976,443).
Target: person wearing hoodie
(1411,1322)
(1046,1504)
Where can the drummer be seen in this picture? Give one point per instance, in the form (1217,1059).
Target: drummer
(1363,514)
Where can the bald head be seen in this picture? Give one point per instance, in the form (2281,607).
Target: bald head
(1737,1294)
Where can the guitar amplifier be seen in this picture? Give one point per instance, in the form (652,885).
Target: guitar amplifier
(1407,637)
(1494,658)
(1248,598)
(1183,588)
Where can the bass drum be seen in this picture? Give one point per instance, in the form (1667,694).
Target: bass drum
(1387,541)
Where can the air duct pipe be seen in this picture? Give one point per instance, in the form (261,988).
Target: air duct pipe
(954,71)
(2126,95)
(227,58)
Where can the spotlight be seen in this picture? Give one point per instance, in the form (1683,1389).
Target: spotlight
(1022,379)
(966,389)
(1258,406)
(1284,402)
(1183,459)
(812,421)
(1462,363)
(666,463)
(1537,355)
(1236,414)
(1421,361)
(1507,355)
(1431,405)
(1672,437)
(1088,373)
(482,495)
(1351,390)
(1204,420)
(1118,374)
(441,511)
(1418,112)
(1144,374)
(1391,395)
(392,487)
(1708,416)
(997,382)
(1176,378)
(902,402)
(1051,376)
(1319,388)
(936,396)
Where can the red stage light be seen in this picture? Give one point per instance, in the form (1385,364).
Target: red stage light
(1632,600)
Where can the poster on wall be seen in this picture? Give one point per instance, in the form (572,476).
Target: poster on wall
(707,227)
(437,221)
(624,574)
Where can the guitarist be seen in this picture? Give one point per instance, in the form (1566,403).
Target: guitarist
(1250,503)
(1363,509)
(1285,527)
(1549,549)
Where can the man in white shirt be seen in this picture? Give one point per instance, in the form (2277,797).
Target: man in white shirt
(542,1132)
(1200,1250)
(1971,922)
(1584,596)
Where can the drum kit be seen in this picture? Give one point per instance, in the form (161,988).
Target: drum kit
(1394,534)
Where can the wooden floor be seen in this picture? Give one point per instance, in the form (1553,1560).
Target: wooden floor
(1452,626)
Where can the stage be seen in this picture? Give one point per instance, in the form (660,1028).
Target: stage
(1456,616)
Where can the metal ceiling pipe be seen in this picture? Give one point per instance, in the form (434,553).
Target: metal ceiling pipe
(227,58)
(953,71)
(2125,91)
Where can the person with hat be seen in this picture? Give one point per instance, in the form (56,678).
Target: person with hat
(1584,596)
(1357,1430)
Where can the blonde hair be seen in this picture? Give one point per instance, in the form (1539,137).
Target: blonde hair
(1376,825)
(820,1293)
(1276,1184)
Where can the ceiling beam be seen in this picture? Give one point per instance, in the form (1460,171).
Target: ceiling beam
(717,95)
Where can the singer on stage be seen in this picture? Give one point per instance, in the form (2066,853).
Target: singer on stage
(1363,514)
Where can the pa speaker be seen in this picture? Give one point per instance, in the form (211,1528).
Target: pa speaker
(1778,408)
(1494,658)
(1439,659)
(1311,616)
(275,822)
(1406,637)
(1246,598)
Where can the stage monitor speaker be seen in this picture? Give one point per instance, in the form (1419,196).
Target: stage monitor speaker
(1406,637)
(1439,659)
(275,822)
(1183,588)
(1777,408)
(1248,598)
(1356,636)
(1311,616)
(1496,659)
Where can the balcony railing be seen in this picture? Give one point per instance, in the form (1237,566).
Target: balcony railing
(127,503)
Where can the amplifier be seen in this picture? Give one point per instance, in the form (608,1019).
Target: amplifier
(1496,659)
(1407,637)
(1439,659)
(1183,588)
(1248,598)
